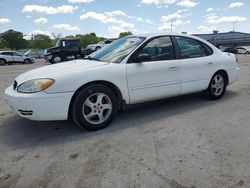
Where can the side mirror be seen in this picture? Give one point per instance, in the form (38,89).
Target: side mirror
(143,57)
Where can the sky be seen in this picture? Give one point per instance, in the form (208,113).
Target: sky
(110,17)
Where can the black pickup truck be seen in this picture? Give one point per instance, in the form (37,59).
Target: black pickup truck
(65,49)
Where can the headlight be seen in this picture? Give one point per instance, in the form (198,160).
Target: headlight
(34,86)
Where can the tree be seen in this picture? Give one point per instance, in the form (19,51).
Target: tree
(124,34)
(89,38)
(13,39)
(1,44)
(41,41)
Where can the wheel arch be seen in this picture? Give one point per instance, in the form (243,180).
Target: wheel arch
(4,60)
(224,72)
(109,84)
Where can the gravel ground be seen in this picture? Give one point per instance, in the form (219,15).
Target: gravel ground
(182,142)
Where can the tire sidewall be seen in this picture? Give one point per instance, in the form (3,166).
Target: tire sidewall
(54,56)
(209,90)
(4,62)
(79,101)
(27,61)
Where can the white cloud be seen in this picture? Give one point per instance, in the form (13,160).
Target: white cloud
(49,10)
(37,32)
(157,2)
(187,3)
(139,19)
(171,17)
(148,21)
(93,15)
(182,10)
(4,20)
(209,9)
(116,13)
(213,19)
(66,27)
(176,20)
(41,20)
(236,4)
(80,1)
(203,28)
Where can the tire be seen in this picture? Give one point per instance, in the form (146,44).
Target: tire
(97,48)
(3,62)
(217,86)
(94,107)
(247,53)
(57,58)
(27,61)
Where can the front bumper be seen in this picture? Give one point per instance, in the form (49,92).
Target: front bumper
(39,106)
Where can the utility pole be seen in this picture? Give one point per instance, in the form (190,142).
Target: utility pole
(234,25)
(171,25)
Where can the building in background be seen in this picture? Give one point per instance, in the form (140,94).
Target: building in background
(229,39)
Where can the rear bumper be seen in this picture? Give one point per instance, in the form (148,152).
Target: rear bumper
(39,106)
(233,75)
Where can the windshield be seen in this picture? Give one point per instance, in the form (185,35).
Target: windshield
(58,43)
(118,50)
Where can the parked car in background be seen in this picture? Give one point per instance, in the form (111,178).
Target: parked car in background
(232,50)
(37,54)
(9,57)
(131,70)
(99,45)
(65,49)
(243,49)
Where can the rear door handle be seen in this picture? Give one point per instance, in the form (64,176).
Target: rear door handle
(174,68)
(210,64)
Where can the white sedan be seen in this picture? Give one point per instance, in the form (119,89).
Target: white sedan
(131,70)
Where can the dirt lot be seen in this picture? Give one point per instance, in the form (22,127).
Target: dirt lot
(182,142)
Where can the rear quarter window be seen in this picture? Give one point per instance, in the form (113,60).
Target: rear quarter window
(191,48)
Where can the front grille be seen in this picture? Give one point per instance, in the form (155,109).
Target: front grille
(26,112)
(15,85)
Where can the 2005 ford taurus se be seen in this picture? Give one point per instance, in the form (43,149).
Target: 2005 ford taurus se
(131,70)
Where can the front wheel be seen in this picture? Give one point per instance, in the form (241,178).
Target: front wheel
(94,107)
(56,58)
(27,61)
(217,86)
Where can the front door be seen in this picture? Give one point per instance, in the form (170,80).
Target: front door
(159,76)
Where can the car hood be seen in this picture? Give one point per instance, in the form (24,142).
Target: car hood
(61,69)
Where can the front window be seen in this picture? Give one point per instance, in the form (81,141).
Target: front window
(118,50)
(159,49)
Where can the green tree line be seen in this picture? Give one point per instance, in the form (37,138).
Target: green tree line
(15,40)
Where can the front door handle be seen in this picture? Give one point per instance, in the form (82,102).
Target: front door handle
(174,68)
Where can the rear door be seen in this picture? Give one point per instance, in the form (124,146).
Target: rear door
(197,64)
(8,56)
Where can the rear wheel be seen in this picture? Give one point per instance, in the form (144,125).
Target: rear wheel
(247,53)
(217,86)
(94,107)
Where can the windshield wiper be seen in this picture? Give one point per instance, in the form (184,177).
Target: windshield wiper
(92,58)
